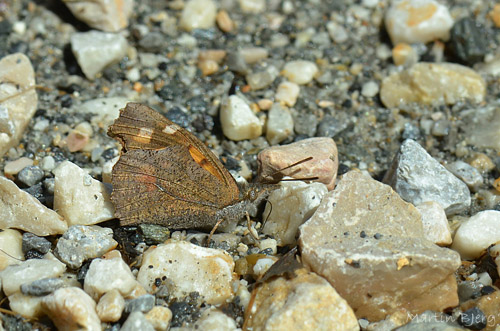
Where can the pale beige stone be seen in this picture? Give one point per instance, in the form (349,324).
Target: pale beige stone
(238,121)
(13,167)
(189,268)
(305,302)
(198,14)
(324,163)
(110,306)
(214,319)
(79,198)
(18,98)
(20,210)
(159,317)
(26,305)
(252,6)
(436,227)
(11,248)
(224,21)
(432,83)
(105,15)
(300,72)
(252,55)
(287,93)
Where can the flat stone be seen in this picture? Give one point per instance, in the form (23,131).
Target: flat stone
(41,287)
(432,83)
(189,268)
(238,120)
(436,227)
(310,299)
(418,177)
(279,124)
(96,50)
(82,242)
(323,165)
(198,14)
(71,309)
(300,72)
(10,248)
(21,210)
(160,318)
(18,98)
(289,207)
(79,198)
(109,16)
(13,167)
(417,21)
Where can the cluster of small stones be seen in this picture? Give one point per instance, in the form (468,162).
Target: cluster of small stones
(398,226)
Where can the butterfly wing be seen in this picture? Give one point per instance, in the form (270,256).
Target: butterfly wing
(165,175)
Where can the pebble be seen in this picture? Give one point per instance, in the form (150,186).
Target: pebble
(473,319)
(105,275)
(481,162)
(13,167)
(279,124)
(369,89)
(30,175)
(337,32)
(364,247)
(287,93)
(109,16)
(27,272)
(262,79)
(104,110)
(467,173)
(95,50)
(71,309)
(10,248)
(214,319)
(252,6)
(137,321)
(483,131)
(436,227)
(159,317)
(18,99)
(79,198)
(308,298)
(21,210)
(144,303)
(48,163)
(189,268)
(289,207)
(477,233)
(418,177)
(198,14)
(253,55)
(324,164)
(300,72)
(25,305)
(76,141)
(110,306)
(81,243)
(417,21)
(238,121)
(224,21)
(41,287)
(467,41)
(432,83)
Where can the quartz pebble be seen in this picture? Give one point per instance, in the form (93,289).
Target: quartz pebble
(238,121)
(417,21)
(337,32)
(369,89)
(144,303)
(214,319)
(137,321)
(467,173)
(300,72)
(279,124)
(432,83)
(104,110)
(287,93)
(82,242)
(18,98)
(436,227)
(418,178)
(292,205)
(198,14)
(48,163)
(189,268)
(262,79)
(10,248)
(13,167)
(110,306)
(109,16)
(96,50)
(252,55)
(323,165)
(159,317)
(21,210)
(310,299)
(404,55)
(224,21)
(477,233)
(71,309)
(252,6)
(105,275)
(79,198)
(26,305)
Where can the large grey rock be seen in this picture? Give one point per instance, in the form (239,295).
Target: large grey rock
(418,177)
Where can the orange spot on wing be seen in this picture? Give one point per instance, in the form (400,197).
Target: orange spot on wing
(203,162)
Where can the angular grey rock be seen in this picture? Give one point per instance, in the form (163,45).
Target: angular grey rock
(470,175)
(418,177)
(30,175)
(41,287)
(40,244)
(144,303)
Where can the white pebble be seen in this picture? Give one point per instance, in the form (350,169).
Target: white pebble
(369,89)
(279,124)
(13,167)
(337,32)
(436,227)
(238,121)
(133,74)
(262,265)
(198,14)
(26,305)
(48,163)
(477,233)
(110,306)
(300,72)
(11,248)
(159,317)
(252,6)
(417,21)
(19,27)
(288,93)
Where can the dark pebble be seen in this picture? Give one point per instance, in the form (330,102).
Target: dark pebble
(306,124)
(144,303)
(176,115)
(37,192)
(33,242)
(182,313)
(197,104)
(30,175)
(236,63)
(362,234)
(487,290)
(331,126)
(411,131)
(377,236)
(5,27)
(473,319)
(109,154)
(66,101)
(154,234)
(468,290)
(169,92)
(33,254)
(42,286)
(203,122)
(467,41)
(152,42)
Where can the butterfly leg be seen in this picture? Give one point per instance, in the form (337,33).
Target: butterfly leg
(249,224)
(213,230)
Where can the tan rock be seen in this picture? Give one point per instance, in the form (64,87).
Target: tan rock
(110,306)
(436,227)
(198,14)
(13,167)
(224,21)
(18,98)
(26,305)
(159,317)
(324,164)
(20,210)
(306,302)
(105,15)
(432,83)
(11,248)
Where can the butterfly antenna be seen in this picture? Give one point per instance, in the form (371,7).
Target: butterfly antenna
(267,217)
(15,258)
(292,165)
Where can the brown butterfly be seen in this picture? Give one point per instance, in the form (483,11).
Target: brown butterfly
(167,176)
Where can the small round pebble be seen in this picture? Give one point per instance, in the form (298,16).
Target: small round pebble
(30,175)
(369,89)
(300,72)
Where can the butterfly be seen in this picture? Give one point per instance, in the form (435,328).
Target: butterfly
(165,175)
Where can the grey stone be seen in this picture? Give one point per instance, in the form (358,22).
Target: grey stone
(467,173)
(418,177)
(137,321)
(153,42)
(144,303)
(305,124)
(154,234)
(41,287)
(236,63)
(467,41)
(31,241)
(30,175)
(262,79)
(330,126)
